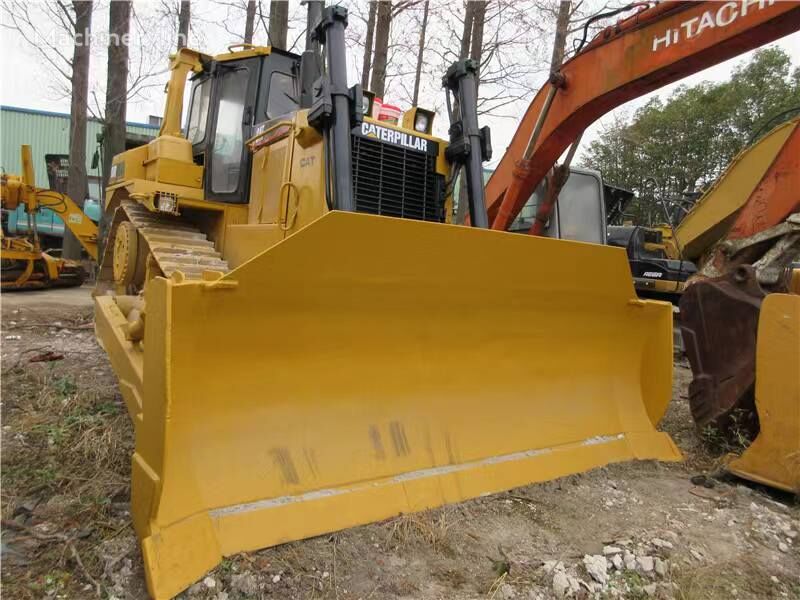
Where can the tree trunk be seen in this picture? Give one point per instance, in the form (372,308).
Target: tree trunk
(119,21)
(119,15)
(466,34)
(77,185)
(420,52)
(250,21)
(373,7)
(476,43)
(383,25)
(560,41)
(184,17)
(278,23)
(314,15)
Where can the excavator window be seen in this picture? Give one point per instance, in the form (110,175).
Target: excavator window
(228,147)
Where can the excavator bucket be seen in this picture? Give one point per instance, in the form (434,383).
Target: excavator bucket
(367,367)
(774,456)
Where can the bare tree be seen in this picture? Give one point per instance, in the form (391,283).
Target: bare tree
(119,24)
(77,185)
(365,69)
(184,17)
(278,23)
(250,20)
(420,52)
(478,20)
(466,33)
(383,24)
(562,29)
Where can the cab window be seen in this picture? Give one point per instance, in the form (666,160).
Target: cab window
(198,112)
(228,148)
(282,95)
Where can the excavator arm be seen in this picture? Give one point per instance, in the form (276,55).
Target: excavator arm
(23,190)
(656,46)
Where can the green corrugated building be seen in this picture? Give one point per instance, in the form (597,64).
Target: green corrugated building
(48,133)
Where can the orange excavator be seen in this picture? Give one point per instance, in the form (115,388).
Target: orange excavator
(657,45)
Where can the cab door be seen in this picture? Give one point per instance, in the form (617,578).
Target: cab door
(228,159)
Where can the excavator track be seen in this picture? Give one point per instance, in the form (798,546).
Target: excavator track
(174,244)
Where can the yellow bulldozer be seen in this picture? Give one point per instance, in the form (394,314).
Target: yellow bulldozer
(305,342)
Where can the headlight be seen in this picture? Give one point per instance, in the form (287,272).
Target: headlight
(421,122)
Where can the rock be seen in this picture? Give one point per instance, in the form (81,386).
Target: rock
(221,596)
(245,583)
(276,578)
(646,564)
(607,550)
(698,555)
(630,560)
(617,561)
(597,567)
(325,574)
(210,583)
(651,589)
(774,579)
(506,592)
(195,590)
(553,565)
(565,585)
(560,584)
(659,543)
(661,567)
(783,547)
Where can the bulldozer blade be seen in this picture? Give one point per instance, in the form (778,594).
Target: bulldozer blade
(774,456)
(367,367)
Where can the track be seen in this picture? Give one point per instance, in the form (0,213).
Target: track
(174,244)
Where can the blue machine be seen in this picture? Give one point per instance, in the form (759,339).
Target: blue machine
(47,222)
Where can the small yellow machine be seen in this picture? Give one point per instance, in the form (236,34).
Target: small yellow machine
(304,343)
(24,264)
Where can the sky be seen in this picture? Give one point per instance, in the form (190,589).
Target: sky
(26,81)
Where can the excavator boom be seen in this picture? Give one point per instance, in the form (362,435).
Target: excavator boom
(644,52)
(26,266)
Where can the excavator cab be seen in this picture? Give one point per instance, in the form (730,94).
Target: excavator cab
(655,274)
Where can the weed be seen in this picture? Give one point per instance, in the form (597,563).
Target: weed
(65,386)
(735,434)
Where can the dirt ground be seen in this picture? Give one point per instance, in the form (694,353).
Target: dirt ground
(635,530)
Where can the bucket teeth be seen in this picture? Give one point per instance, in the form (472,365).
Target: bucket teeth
(175,244)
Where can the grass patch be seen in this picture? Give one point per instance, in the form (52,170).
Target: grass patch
(67,444)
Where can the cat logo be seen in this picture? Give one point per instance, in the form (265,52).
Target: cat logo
(653,274)
(399,138)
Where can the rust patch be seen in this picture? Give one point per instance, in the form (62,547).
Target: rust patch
(719,322)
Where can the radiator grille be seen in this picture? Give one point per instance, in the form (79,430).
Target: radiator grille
(395,181)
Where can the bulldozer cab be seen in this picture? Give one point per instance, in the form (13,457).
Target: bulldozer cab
(228,99)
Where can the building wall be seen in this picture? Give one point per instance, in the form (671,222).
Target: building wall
(48,133)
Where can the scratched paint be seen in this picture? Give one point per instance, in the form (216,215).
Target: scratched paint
(410,476)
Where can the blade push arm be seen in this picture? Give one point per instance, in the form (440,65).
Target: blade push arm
(646,51)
